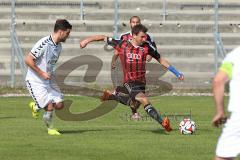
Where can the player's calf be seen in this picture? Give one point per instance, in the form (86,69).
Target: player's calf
(152,112)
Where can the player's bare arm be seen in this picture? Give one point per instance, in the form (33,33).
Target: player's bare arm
(167,65)
(30,61)
(218,90)
(114,59)
(84,42)
(164,62)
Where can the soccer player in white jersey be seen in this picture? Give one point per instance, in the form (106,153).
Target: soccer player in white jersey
(228,146)
(40,79)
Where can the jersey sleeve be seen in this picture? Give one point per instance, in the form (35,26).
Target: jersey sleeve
(228,62)
(152,51)
(114,43)
(227,67)
(150,39)
(39,49)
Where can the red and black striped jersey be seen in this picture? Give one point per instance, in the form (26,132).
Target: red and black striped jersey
(128,36)
(133,58)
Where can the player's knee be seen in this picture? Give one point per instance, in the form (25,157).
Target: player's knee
(143,100)
(59,105)
(49,107)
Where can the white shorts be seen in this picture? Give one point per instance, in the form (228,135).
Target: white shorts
(43,94)
(229,141)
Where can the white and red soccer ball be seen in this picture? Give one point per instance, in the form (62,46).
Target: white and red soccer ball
(187,126)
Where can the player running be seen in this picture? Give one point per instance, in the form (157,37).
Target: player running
(120,91)
(40,79)
(133,54)
(228,145)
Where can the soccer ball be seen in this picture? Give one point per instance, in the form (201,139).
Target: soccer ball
(187,126)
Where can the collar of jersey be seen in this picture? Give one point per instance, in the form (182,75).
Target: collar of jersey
(129,40)
(52,40)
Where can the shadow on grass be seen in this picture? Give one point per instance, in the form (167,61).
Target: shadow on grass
(83,130)
(7,117)
(156,131)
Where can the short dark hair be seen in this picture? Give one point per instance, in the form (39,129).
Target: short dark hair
(135,17)
(62,24)
(139,28)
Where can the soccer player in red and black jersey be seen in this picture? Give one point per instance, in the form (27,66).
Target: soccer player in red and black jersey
(134,20)
(133,54)
(119,90)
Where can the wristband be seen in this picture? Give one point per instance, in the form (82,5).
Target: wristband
(174,71)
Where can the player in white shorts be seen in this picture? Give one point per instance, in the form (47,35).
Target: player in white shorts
(228,146)
(40,79)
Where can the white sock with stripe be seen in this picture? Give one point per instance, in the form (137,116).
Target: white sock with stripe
(47,118)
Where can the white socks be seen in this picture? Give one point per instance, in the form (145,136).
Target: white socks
(47,118)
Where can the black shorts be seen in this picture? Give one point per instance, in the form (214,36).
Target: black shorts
(134,87)
(121,89)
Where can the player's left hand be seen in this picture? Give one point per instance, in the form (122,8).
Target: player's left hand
(219,119)
(113,65)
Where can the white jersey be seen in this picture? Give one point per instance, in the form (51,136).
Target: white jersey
(46,54)
(234,58)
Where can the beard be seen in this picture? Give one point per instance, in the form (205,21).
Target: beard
(63,40)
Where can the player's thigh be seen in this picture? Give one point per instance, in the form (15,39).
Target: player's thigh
(39,93)
(55,95)
(121,89)
(135,88)
(141,97)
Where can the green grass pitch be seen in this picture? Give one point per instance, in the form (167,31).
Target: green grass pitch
(112,136)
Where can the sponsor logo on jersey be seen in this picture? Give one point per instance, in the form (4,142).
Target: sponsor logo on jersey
(132,56)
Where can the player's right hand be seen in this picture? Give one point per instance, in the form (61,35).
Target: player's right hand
(83,44)
(45,75)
